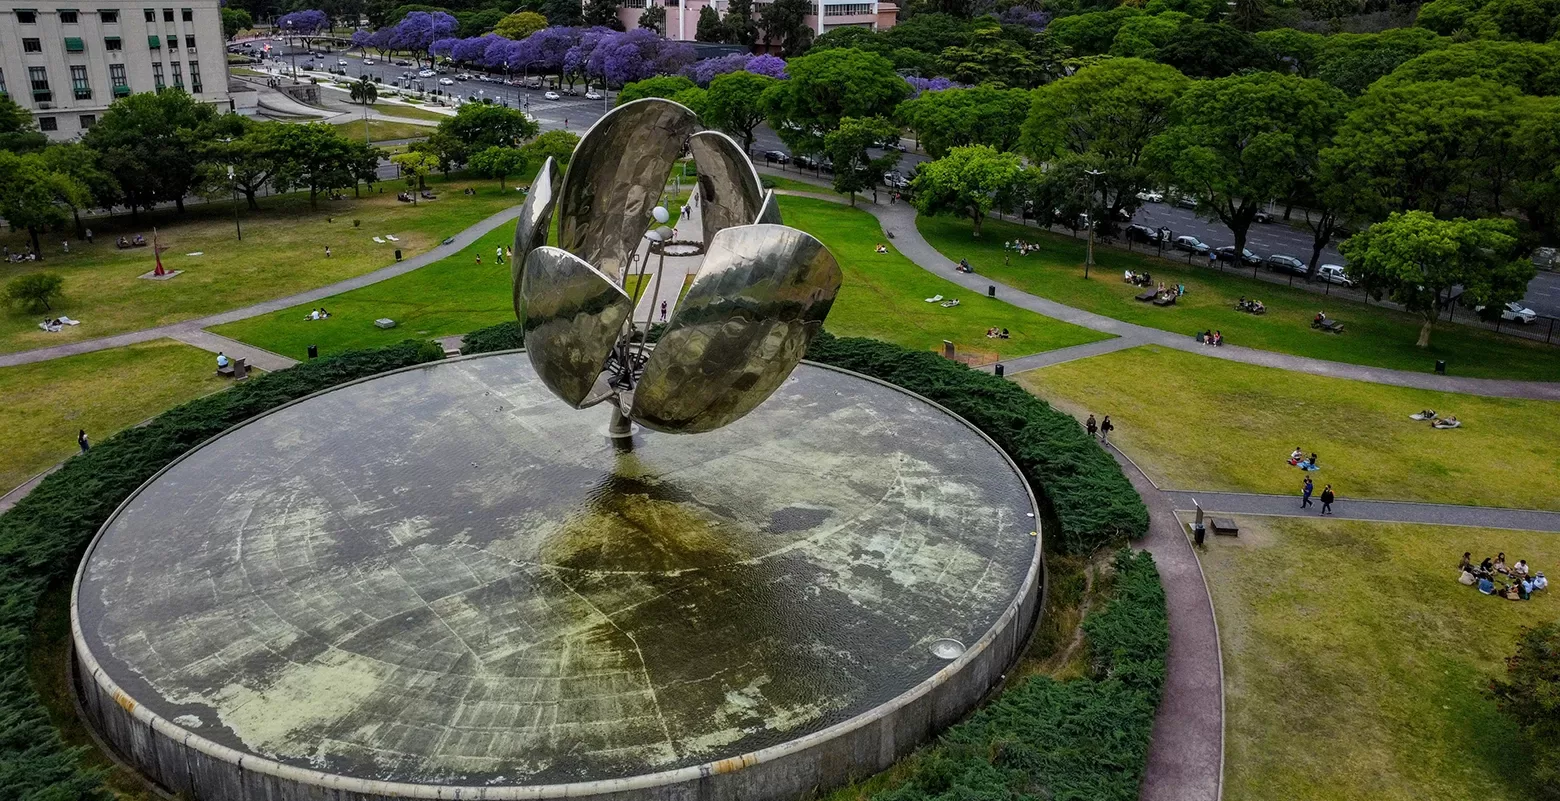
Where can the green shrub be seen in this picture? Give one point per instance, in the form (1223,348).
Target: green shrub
(1530,694)
(1092,499)
(1080,740)
(504,336)
(34,290)
(43,536)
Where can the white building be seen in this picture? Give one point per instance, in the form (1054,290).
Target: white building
(67,65)
(682,16)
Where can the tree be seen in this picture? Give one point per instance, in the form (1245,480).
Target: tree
(318,157)
(499,162)
(18,132)
(1090,34)
(1236,143)
(981,115)
(1108,112)
(825,88)
(235,20)
(1536,178)
(520,24)
(1298,50)
(557,144)
(1447,16)
(709,28)
(449,149)
(1201,50)
(34,197)
(151,143)
(969,182)
(33,291)
(603,13)
(479,126)
(1530,694)
(784,23)
(666,86)
(561,13)
(1141,37)
(1420,261)
(364,91)
(255,156)
(854,168)
(991,59)
(1529,68)
(734,104)
(653,18)
(476,23)
(416,167)
(1248,15)
(1532,20)
(738,26)
(84,165)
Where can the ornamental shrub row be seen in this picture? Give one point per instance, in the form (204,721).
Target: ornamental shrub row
(43,536)
(1081,740)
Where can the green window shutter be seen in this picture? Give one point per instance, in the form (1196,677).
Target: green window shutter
(74,44)
(121,91)
(154,42)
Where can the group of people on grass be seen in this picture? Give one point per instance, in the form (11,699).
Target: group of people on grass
(1252,306)
(1138,279)
(318,314)
(1022,247)
(996,333)
(1297,458)
(1211,338)
(1517,582)
(1436,420)
(137,241)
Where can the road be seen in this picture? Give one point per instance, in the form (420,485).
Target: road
(577,114)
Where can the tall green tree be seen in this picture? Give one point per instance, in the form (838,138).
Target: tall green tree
(1091,34)
(1108,113)
(18,132)
(562,12)
(415,167)
(603,13)
(653,18)
(969,182)
(708,28)
(1529,693)
(855,169)
(520,24)
(364,91)
(734,104)
(980,115)
(1202,50)
(479,126)
(1536,167)
(1141,37)
(235,20)
(1236,143)
(784,23)
(255,155)
(738,26)
(1420,262)
(83,165)
(34,197)
(152,143)
(665,86)
(317,157)
(558,144)
(825,88)
(989,58)
(499,163)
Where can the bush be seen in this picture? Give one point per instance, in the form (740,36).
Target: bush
(1082,739)
(43,536)
(34,290)
(504,336)
(356,223)
(1093,501)
(1530,694)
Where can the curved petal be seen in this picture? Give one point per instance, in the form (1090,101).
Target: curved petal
(574,317)
(615,178)
(758,300)
(769,213)
(729,191)
(531,228)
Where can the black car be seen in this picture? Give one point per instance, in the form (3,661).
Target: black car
(1227,253)
(806,162)
(777,157)
(401,62)
(1283,263)
(1142,233)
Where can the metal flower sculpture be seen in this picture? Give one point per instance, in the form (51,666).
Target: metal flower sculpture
(759,297)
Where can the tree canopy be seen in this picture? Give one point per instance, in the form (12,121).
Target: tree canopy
(980,115)
(855,169)
(969,182)
(734,104)
(825,88)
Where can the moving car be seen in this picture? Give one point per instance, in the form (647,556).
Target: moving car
(777,157)
(1227,253)
(1284,263)
(552,96)
(1333,274)
(462,76)
(1515,312)
(1151,196)
(341,62)
(593,95)
(425,73)
(1190,244)
(895,180)
(1186,202)
(368,62)
(401,62)
(446,82)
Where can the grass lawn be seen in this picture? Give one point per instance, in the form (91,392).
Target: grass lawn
(882,298)
(1376,336)
(398,110)
(383,130)
(282,252)
(792,185)
(44,404)
(1198,422)
(1355,664)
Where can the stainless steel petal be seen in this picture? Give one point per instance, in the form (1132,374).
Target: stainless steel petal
(574,317)
(769,213)
(531,228)
(760,297)
(729,191)
(614,178)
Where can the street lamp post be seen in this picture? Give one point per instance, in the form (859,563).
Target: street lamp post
(233,180)
(1088,261)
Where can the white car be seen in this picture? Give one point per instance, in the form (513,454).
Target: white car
(552,96)
(1151,197)
(425,73)
(462,76)
(446,82)
(341,62)
(1516,312)
(368,62)
(1333,274)
(593,95)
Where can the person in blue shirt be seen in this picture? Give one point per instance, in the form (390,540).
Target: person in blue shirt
(1486,586)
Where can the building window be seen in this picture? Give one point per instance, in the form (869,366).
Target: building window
(48,124)
(173,43)
(116,76)
(108,16)
(167,15)
(178,75)
(40,84)
(154,42)
(195,77)
(26,16)
(74,44)
(847,9)
(88,120)
(187,14)
(157,76)
(78,82)
(32,45)
(113,43)
(67,17)
(151,15)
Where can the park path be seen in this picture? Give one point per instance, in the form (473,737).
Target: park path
(185,331)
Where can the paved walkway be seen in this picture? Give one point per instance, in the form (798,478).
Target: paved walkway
(1435,514)
(183,331)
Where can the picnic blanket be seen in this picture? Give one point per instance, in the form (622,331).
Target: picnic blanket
(378,240)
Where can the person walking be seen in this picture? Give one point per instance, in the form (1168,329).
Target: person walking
(327,251)
(1305,492)
(81,439)
(479,259)
(1091,426)
(663,311)
(1327,499)
(1105,429)
(89,236)
(498,255)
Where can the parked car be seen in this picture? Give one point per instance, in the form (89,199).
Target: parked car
(1186,202)
(462,76)
(1284,263)
(806,162)
(368,62)
(1190,244)
(1263,217)
(446,82)
(1227,253)
(341,62)
(894,179)
(1515,312)
(401,62)
(1333,274)
(1151,196)
(1142,233)
(553,96)
(777,157)
(593,95)
(425,73)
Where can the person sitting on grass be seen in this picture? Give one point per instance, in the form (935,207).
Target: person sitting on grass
(881,248)
(991,333)
(1526,586)
(1486,586)
(1539,582)
(1500,563)
(1294,459)
(1128,276)
(1520,569)
(1467,562)
(1004,334)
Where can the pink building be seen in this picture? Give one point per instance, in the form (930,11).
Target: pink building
(683,18)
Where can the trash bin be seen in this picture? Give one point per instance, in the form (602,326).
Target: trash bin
(314,351)
(397,254)
(991,290)
(999,371)
(1440,366)
(1198,532)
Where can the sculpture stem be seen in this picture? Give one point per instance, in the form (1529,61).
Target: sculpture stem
(621,426)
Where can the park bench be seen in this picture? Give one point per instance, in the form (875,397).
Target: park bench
(236,369)
(1147,296)
(1167,299)
(1330,326)
(1224,525)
